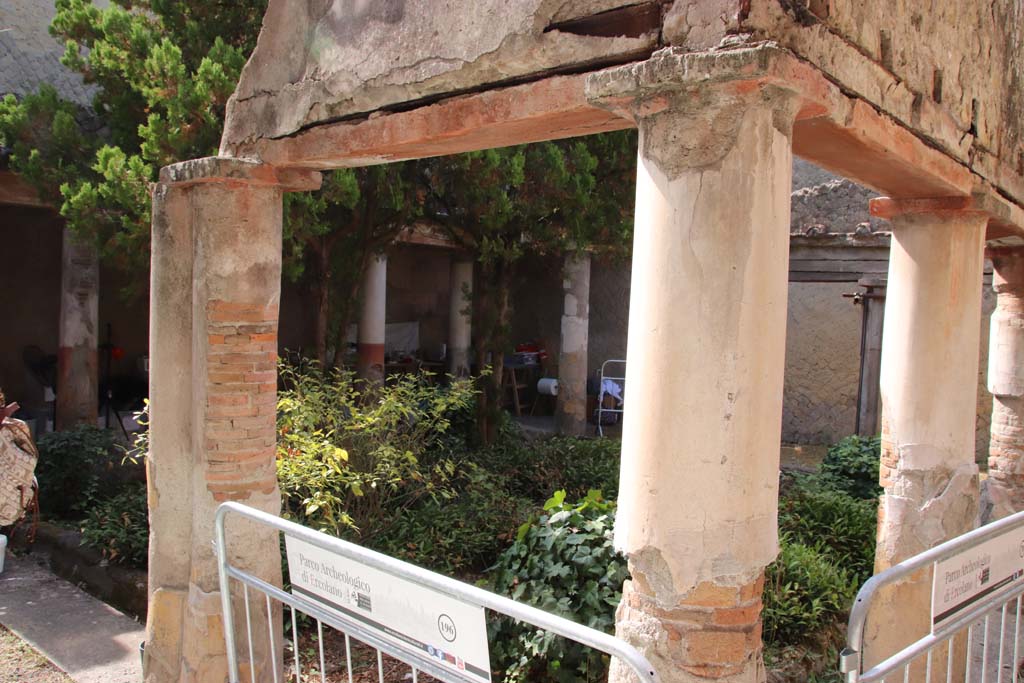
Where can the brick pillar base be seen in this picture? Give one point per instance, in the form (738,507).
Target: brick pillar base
(714,633)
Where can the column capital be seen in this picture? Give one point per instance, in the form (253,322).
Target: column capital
(229,170)
(642,89)
(1007,270)
(690,107)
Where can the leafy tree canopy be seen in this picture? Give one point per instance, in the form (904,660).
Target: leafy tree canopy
(164,71)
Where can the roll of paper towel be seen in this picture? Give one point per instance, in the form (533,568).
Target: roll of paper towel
(548,386)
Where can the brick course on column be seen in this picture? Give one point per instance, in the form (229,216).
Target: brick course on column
(241,399)
(1004,488)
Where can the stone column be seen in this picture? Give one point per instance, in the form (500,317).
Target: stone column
(929,401)
(460,317)
(698,497)
(1004,489)
(873,301)
(571,406)
(77,382)
(372,319)
(216,276)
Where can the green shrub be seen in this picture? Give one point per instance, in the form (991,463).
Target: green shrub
(119,527)
(73,470)
(351,456)
(463,534)
(573,464)
(806,592)
(841,527)
(852,464)
(564,563)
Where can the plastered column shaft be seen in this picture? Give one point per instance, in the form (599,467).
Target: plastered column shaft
(698,499)
(871,356)
(571,407)
(929,395)
(216,272)
(460,317)
(372,319)
(1005,483)
(77,373)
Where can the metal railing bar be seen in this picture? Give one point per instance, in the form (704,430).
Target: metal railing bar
(970,639)
(1002,643)
(320,639)
(270,630)
(949,658)
(380,667)
(343,624)
(248,630)
(984,649)
(928,667)
(348,657)
(930,640)
(1016,641)
(455,589)
(295,648)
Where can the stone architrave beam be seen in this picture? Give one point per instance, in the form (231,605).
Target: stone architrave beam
(698,499)
(216,277)
(928,388)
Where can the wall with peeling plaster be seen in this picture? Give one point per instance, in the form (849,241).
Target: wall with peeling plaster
(952,71)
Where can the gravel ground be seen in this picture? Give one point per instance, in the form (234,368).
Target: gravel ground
(20,662)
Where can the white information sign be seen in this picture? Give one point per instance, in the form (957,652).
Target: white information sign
(400,611)
(962,580)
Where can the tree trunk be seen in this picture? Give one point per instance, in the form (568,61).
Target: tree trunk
(494,340)
(322,298)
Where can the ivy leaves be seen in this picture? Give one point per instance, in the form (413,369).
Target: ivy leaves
(563,562)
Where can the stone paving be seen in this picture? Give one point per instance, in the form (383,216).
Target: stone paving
(91,641)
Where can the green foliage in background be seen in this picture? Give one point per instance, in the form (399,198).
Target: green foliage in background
(119,527)
(827,525)
(563,462)
(852,465)
(815,514)
(350,458)
(563,562)
(164,72)
(805,592)
(74,468)
(463,534)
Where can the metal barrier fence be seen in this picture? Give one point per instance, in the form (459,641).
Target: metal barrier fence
(601,410)
(977,636)
(417,658)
